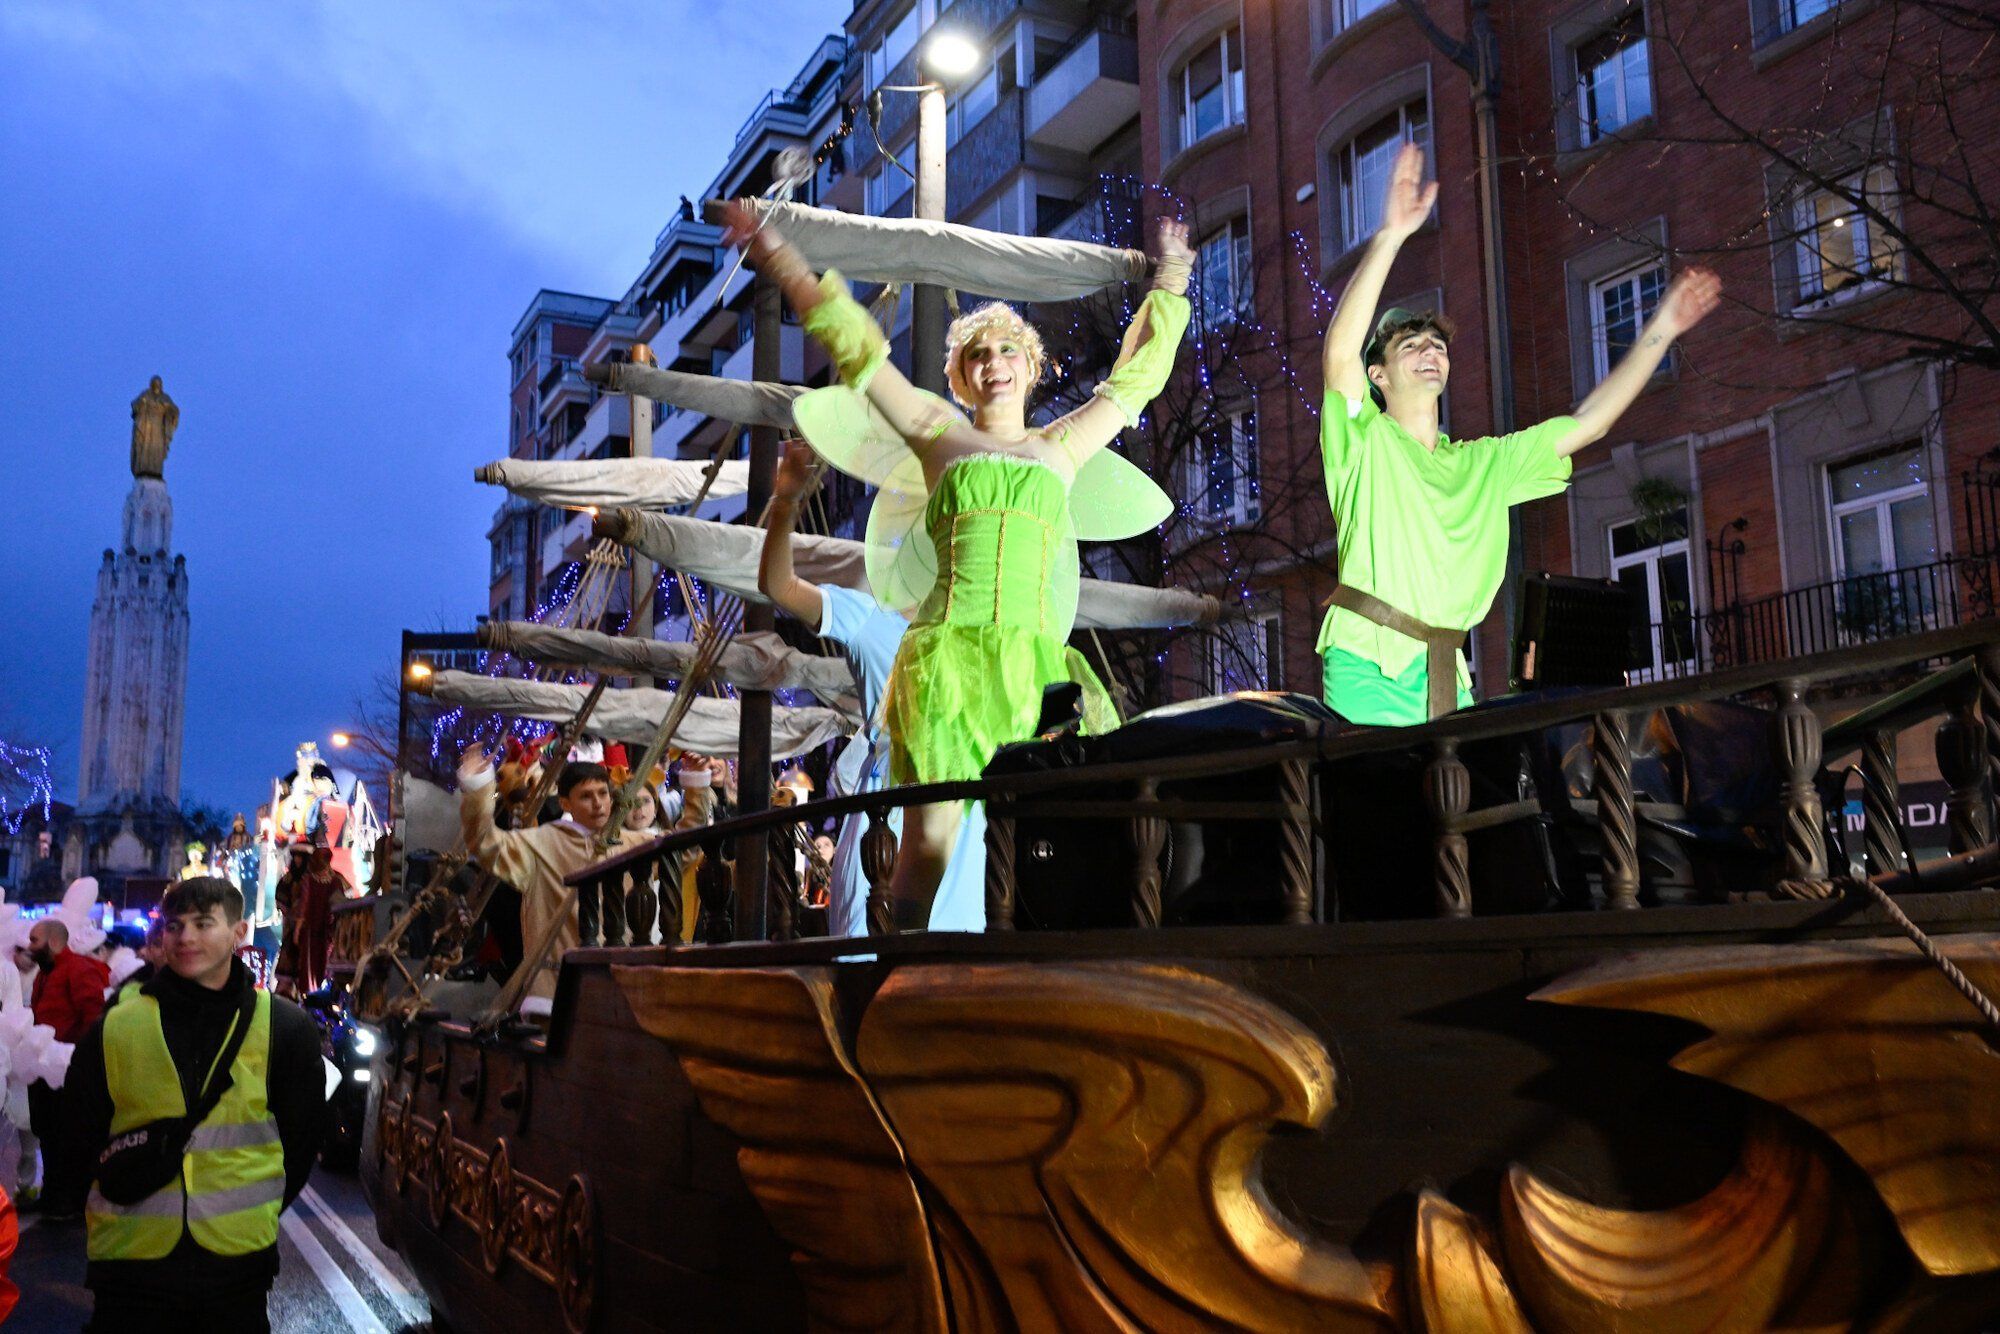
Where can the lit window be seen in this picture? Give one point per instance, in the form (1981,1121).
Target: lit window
(1211,87)
(1363,167)
(1838,246)
(1619,308)
(1222,269)
(1613,79)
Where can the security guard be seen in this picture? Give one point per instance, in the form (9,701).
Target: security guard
(200,1253)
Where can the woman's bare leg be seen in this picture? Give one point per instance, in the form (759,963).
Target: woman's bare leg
(928,833)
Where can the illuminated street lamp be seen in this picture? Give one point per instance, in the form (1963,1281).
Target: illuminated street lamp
(950,55)
(341,740)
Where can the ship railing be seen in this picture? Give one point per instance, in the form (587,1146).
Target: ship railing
(1964,693)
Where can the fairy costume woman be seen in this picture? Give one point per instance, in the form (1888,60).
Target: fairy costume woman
(994,575)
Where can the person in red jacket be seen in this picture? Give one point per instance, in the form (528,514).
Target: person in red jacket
(68,997)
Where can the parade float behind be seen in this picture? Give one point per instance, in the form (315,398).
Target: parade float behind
(1573,1012)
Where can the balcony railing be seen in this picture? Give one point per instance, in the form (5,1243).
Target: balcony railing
(1838,613)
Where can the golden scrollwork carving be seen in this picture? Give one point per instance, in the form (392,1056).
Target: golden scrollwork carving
(1775,1245)
(762,1048)
(1863,1039)
(1094,1130)
(1455,1282)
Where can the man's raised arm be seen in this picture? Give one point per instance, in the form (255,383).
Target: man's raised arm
(1691,297)
(1406,204)
(776,577)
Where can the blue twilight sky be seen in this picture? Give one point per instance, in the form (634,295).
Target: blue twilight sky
(318,222)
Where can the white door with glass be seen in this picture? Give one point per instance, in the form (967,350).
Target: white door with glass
(1650,557)
(1884,544)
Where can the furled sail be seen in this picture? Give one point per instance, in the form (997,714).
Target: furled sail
(754,660)
(888,250)
(606,483)
(726,555)
(711,725)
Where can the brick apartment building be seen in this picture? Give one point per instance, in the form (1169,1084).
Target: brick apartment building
(1791,478)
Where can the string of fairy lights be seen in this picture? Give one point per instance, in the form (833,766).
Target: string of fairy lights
(25,785)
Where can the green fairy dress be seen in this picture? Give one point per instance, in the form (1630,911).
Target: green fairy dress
(988,560)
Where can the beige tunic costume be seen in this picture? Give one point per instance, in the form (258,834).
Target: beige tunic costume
(535,861)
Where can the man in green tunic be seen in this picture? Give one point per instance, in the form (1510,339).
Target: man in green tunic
(1421,520)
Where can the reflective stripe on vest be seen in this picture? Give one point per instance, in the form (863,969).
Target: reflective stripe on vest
(232,1181)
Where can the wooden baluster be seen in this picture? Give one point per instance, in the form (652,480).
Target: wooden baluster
(1799,750)
(1961,756)
(1882,803)
(1148,834)
(642,904)
(588,896)
(999,865)
(1989,710)
(1448,792)
(878,863)
(611,910)
(1296,853)
(1617,817)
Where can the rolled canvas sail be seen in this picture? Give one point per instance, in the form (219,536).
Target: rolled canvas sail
(754,660)
(711,725)
(1013,268)
(609,483)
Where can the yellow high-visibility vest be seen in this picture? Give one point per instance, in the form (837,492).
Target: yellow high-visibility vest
(232,1181)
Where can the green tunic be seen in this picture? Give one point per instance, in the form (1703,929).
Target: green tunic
(1423,530)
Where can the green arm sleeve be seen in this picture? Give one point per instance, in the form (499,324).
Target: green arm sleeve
(1144,373)
(847,332)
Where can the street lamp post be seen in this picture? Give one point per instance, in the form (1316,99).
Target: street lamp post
(946,55)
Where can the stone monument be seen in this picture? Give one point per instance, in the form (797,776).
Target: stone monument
(128,820)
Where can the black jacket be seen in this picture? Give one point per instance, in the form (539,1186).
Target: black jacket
(194,1021)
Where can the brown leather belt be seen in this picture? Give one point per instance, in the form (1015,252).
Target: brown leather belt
(1440,644)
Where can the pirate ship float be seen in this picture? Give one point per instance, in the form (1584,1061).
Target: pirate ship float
(1561,1015)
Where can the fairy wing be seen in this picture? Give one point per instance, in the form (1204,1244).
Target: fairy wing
(845,429)
(1113,499)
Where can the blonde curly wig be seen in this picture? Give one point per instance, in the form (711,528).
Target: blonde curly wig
(993,317)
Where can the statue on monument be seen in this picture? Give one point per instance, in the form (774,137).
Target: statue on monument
(154,419)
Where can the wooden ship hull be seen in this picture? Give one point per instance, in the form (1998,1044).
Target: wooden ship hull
(1778,1112)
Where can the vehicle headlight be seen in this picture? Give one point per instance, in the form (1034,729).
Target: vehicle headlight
(364,1041)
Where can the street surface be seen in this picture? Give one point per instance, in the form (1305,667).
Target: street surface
(334,1275)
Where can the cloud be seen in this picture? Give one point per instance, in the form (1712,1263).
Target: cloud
(574,126)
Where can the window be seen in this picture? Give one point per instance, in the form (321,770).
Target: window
(1241,654)
(898,42)
(1884,534)
(1613,80)
(973,105)
(1839,248)
(1650,556)
(1343,14)
(1222,270)
(1222,476)
(888,184)
(1619,308)
(1211,87)
(1789,14)
(1362,169)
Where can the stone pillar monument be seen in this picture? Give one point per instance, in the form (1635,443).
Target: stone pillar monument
(129,788)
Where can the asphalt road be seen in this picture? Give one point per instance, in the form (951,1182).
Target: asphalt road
(334,1274)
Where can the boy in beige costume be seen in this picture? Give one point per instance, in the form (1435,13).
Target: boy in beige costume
(535,860)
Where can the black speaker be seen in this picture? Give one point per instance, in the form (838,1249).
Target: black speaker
(1577,632)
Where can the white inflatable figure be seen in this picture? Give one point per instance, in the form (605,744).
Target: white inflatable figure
(296,805)
(76,911)
(124,962)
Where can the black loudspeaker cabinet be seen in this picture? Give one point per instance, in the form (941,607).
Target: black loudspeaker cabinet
(1577,632)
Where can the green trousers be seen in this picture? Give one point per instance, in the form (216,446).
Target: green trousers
(1356,689)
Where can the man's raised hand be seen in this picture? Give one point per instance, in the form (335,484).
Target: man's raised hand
(472,763)
(1409,198)
(1689,300)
